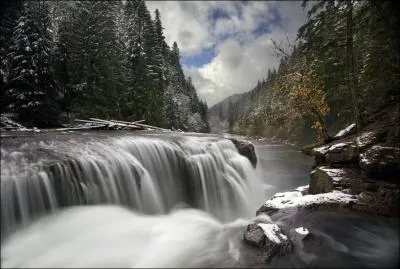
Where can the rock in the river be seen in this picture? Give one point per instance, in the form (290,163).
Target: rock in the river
(269,238)
(299,236)
(296,198)
(381,162)
(246,149)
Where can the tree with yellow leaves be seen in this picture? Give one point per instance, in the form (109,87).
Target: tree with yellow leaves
(306,94)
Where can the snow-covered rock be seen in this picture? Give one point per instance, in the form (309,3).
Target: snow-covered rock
(382,161)
(336,153)
(366,139)
(325,179)
(351,129)
(297,199)
(269,237)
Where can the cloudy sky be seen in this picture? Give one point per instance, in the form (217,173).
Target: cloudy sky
(226,46)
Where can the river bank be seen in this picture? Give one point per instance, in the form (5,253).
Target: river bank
(355,176)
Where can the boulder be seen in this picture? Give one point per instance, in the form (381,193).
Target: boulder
(381,162)
(325,179)
(301,199)
(246,149)
(366,139)
(299,236)
(269,238)
(336,153)
(342,152)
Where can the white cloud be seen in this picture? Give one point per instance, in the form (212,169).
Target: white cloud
(241,57)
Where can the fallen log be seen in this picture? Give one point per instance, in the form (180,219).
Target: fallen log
(82,128)
(138,124)
(113,123)
(127,122)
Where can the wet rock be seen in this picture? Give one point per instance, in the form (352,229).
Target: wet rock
(246,149)
(300,236)
(381,162)
(254,236)
(269,238)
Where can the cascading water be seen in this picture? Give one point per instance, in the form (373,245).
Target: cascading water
(146,174)
(117,202)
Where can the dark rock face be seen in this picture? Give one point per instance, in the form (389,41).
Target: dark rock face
(246,149)
(254,236)
(362,166)
(381,162)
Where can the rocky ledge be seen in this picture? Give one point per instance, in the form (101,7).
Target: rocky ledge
(353,173)
(356,172)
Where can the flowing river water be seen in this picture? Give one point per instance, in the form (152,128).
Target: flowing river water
(164,200)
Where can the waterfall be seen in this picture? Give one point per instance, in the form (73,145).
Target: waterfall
(147,174)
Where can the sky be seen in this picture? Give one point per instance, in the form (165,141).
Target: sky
(226,46)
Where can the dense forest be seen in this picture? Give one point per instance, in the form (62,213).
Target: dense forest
(343,67)
(62,60)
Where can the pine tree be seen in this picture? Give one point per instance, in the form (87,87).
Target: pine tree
(32,85)
(10,11)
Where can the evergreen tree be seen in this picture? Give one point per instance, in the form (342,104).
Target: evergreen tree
(31,84)
(10,11)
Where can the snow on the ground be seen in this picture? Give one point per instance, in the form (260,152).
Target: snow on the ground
(302,188)
(346,130)
(325,149)
(302,230)
(296,198)
(322,150)
(272,232)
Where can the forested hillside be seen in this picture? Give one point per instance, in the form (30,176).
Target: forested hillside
(343,68)
(75,59)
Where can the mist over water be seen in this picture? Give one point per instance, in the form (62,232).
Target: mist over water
(129,202)
(109,236)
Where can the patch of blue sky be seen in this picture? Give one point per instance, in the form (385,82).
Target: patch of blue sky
(266,27)
(217,14)
(200,59)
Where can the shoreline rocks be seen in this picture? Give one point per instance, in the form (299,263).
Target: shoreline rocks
(356,173)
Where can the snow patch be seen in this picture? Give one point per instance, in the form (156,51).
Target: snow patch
(337,146)
(322,150)
(272,232)
(296,199)
(302,188)
(302,231)
(346,130)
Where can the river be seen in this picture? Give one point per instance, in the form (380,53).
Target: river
(154,174)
